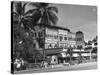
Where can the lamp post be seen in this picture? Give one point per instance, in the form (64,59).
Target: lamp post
(70,51)
(80,57)
(44,45)
(90,55)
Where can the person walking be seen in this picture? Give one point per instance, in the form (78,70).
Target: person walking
(17,64)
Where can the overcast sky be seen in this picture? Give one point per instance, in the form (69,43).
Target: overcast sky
(78,17)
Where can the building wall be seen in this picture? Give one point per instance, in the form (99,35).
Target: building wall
(51,38)
(71,39)
(56,38)
(79,38)
(63,38)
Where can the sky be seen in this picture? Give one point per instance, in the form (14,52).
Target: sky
(78,18)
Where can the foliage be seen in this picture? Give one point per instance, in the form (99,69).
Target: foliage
(44,14)
(22,38)
(25,25)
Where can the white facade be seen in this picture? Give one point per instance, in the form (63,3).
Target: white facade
(63,38)
(56,38)
(51,38)
(59,38)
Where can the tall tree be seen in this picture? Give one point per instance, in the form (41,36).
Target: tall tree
(21,15)
(95,40)
(43,15)
(89,42)
(26,20)
(21,28)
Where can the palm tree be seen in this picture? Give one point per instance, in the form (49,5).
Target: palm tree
(44,14)
(18,20)
(70,53)
(95,41)
(21,26)
(22,16)
(26,20)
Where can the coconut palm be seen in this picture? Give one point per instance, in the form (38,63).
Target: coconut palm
(21,23)
(26,20)
(44,13)
(20,14)
(21,19)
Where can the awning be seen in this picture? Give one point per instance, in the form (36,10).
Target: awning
(75,55)
(63,55)
(65,50)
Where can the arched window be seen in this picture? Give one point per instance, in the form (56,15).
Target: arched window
(61,38)
(65,38)
(50,45)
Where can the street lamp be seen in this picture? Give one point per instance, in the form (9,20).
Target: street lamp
(44,45)
(90,55)
(80,57)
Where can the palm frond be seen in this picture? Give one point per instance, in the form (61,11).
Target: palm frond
(12,6)
(48,16)
(18,7)
(48,22)
(37,5)
(53,18)
(53,8)
(14,13)
(28,17)
(32,11)
(36,16)
(44,19)
(44,4)
(23,7)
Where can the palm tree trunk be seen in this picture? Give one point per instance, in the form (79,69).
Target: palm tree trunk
(90,55)
(80,57)
(35,60)
(70,56)
(44,45)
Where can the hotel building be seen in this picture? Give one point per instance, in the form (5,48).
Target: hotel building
(54,39)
